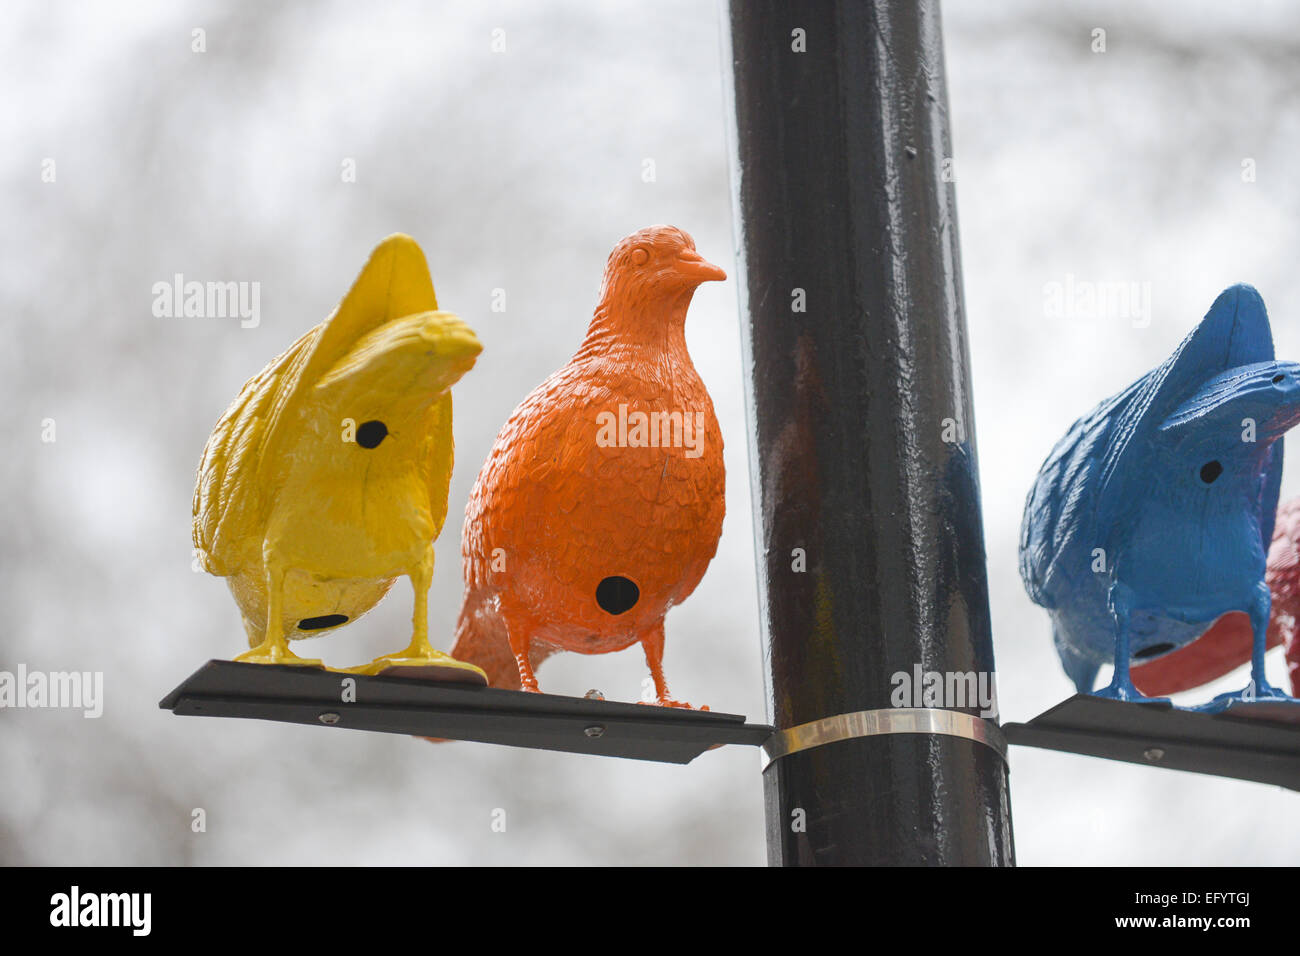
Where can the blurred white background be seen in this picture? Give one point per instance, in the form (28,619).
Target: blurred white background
(519,170)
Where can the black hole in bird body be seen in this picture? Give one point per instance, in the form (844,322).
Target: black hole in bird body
(1153,650)
(370,434)
(617,594)
(322,622)
(1210,470)
(1278,378)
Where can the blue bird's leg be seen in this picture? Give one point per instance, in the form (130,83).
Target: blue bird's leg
(1119,600)
(1259,688)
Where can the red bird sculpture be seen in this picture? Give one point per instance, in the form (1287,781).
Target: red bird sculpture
(601,503)
(1226,644)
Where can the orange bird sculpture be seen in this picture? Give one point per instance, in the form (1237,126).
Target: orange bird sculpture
(601,503)
(1227,643)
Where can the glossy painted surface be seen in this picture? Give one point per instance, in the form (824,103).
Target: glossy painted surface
(601,503)
(1150,518)
(866,492)
(327,477)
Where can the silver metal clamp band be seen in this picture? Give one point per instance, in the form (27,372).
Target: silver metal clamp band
(890,720)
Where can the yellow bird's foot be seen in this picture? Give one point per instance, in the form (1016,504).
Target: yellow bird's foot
(433,665)
(272,654)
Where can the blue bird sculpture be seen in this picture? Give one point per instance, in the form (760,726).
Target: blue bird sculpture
(1152,517)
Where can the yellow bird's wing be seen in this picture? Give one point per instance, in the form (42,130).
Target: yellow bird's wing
(442,455)
(245,455)
(220,491)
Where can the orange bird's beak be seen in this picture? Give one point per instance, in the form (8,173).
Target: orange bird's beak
(691,263)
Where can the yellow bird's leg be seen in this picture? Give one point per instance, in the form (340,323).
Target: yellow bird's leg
(420,653)
(274,648)
(421,580)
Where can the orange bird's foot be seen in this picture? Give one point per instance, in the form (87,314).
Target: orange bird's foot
(669,702)
(527,679)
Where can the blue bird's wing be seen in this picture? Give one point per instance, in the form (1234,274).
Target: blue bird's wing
(1268,494)
(1058,531)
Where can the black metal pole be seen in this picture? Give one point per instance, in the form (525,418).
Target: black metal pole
(863,447)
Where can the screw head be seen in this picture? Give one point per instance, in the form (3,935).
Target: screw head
(329,718)
(1153,754)
(594,694)
(594,731)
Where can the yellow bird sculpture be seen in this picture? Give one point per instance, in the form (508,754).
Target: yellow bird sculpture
(327,478)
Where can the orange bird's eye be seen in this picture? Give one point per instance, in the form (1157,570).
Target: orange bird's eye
(640,256)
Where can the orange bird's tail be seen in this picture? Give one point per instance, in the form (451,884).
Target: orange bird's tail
(482,640)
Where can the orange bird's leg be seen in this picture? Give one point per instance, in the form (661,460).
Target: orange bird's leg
(653,642)
(520,626)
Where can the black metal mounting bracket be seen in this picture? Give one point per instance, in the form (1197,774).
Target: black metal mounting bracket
(457,711)
(1257,741)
